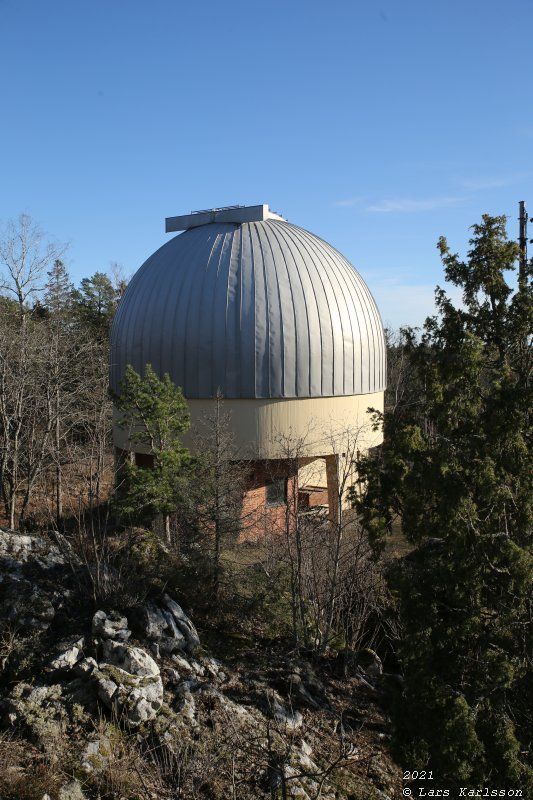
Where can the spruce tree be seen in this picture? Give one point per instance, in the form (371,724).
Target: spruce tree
(154,413)
(95,303)
(457,470)
(63,380)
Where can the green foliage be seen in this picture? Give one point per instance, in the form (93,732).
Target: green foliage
(58,291)
(95,303)
(8,307)
(154,413)
(457,469)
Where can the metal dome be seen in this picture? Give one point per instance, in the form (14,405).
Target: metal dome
(259,309)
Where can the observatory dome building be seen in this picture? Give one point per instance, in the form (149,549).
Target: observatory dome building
(245,304)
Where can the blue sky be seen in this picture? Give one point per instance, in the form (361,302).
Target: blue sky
(378,125)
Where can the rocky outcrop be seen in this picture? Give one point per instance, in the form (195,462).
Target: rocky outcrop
(110,626)
(164,623)
(110,685)
(30,596)
(130,680)
(100,667)
(18,550)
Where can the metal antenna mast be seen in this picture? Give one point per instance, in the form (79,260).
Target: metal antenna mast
(522,242)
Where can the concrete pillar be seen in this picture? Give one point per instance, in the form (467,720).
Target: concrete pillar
(332,474)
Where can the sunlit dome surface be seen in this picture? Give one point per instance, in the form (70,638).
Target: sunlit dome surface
(258,309)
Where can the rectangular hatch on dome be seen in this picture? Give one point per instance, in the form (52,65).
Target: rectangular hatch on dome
(235,214)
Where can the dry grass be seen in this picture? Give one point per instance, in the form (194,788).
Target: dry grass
(25,772)
(28,774)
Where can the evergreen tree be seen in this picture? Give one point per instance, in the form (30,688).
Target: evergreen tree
(154,413)
(219,485)
(95,303)
(457,469)
(58,291)
(62,362)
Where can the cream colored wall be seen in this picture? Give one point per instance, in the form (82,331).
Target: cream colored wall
(265,429)
(313,474)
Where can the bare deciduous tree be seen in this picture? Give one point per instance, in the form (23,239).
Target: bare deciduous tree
(25,413)
(25,258)
(335,582)
(220,481)
(403,385)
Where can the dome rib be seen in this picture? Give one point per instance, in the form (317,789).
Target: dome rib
(248,316)
(305,264)
(333,264)
(258,309)
(302,377)
(327,326)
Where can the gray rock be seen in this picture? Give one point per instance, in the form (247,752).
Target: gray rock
(159,626)
(138,699)
(306,748)
(18,548)
(292,720)
(40,708)
(198,668)
(235,710)
(110,626)
(299,692)
(183,622)
(187,708)
(129,680)
(172,675)
(67,659)
(71,791)
(189,685)
(85,667)
(174,632)
(294,789)
(27,605)
(131,659)
(95,756)
(45,694)
(153,621)
(142,703)
(182,663)
(212,665)
(165,623)
(106,689)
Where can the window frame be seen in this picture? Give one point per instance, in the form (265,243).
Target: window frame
(280,498)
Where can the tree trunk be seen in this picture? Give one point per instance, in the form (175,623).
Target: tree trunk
(216,561)
(166,521)
(59,476)
(12,508)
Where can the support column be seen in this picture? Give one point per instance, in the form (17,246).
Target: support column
(332,474)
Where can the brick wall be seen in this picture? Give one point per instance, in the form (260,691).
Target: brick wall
(259,518)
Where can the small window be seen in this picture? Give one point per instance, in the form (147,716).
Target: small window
(276,492)
(144,460)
